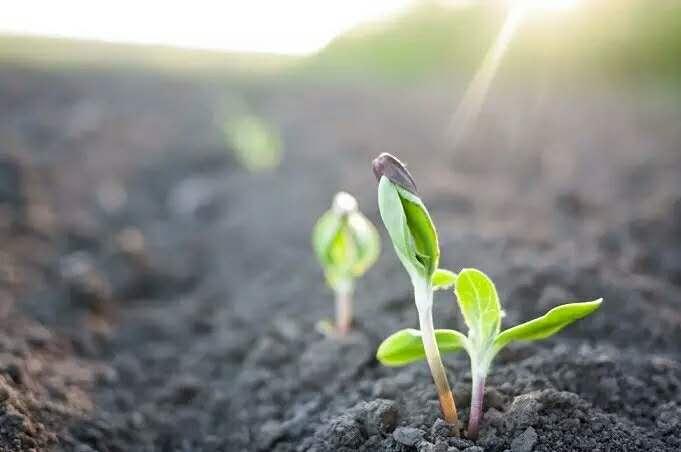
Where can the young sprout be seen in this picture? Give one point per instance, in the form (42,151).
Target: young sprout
(346,244)
(479,304)
(415,241)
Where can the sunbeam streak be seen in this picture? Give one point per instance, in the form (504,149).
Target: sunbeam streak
(474,97)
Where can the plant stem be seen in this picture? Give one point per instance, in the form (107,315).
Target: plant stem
(343,310)
(424,303)
(477,396)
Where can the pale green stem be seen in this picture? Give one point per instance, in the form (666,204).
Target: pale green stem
(478,375)
(479,367)
(344,308)
(424,303)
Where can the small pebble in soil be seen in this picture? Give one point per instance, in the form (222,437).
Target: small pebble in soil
(440,430)
(461,443)
(84,448)
(408,436)
(183,390)
(525,441)
(524,411)
(270,432)
(106,375)
(14,372)
(474,449)
(381,416)
(344,431)
(425,446)
(441,446)
(86,285)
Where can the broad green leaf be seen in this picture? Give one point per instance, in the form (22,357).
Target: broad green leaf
(479,304)
(443,279)
(406,346)
(410,229)
(548,324)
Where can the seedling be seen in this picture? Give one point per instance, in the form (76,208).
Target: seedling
(256,143)
(415,241)
(347,245)
(479,304)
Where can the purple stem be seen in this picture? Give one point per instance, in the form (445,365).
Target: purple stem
(477,396)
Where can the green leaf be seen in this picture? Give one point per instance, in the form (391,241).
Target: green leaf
(548,324)
(443,279)
(324,234)
(395,221)
(405,346)
(422,230)
(479,304)
(410,229)
(367,243)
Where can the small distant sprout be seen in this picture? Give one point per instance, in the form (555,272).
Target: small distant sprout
(256,144)
(347,245)
(479,304)
(415,241)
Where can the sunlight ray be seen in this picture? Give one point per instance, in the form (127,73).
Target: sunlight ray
(474,96)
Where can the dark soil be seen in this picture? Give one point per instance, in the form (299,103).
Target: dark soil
(157,297)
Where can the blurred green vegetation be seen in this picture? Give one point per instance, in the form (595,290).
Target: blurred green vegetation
(426,40)
(59,53)
(619,39)
(256,143)
(614,39)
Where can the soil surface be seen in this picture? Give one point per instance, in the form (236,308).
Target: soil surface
(155,296)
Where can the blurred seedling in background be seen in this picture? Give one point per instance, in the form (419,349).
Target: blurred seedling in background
(255,142)
(479,304)
(415,241)
(347,245)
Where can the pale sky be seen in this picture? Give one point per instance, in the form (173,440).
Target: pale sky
(277,26)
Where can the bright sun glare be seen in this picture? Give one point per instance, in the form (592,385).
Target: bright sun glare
(286,27)
(546,5)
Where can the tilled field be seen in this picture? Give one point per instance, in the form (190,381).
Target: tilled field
(157,297)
